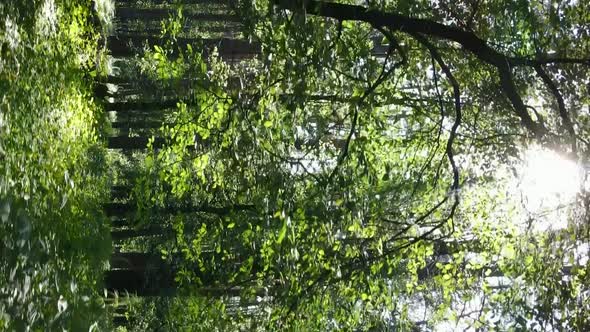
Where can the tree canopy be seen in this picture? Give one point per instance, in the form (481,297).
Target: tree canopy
(360,163)
(314,165)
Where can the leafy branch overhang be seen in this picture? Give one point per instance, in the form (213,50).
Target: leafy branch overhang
(428,28)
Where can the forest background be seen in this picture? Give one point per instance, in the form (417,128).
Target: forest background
(207,165)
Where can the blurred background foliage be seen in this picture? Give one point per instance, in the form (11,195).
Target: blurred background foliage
(54,236)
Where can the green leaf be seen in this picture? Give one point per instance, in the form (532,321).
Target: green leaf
(282,232)
(508,251)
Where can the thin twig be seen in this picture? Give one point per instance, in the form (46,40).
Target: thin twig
(380,79)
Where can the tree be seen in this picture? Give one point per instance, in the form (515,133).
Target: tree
(367,175)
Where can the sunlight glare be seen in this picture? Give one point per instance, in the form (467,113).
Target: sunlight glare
(548,182)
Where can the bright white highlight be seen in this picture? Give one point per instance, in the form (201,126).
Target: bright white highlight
(549,183)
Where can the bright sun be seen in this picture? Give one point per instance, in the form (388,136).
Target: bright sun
(548,183)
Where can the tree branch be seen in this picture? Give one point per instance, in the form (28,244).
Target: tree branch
(382,77)
(546,60)
(567,122)
(458,113)
(396,22)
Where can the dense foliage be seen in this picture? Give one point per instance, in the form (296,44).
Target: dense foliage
(294,165)
(53,235)
(353,174)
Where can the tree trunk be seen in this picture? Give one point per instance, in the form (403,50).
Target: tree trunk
(159,14)
(120,321)
(133,143)
(121,192)
(140,283)
(146,274)
(129,106)
(153,230)
(118,209)
(127,46)
(117,80)
(100,91)
(140,273)
(120,222)
(226,30)
(124,209)
(136,124)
